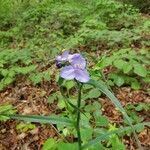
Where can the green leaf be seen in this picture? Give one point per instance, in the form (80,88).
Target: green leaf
(53,97)
(50,144)
(85,120)
(4,72)
(102,87)
(8,110)
(106,61)
(127,68)
(25,70)
(106,136)
(119,63)
(140,70)
(147,79)
(69,84)
(142,106)
(36,78)
(135,85)
(119,80)
(67,146)
(46,75)
(100,120)
(7,80)
(23,127)
(116,143)
(94,93)
(40,76)
(86,134)
(41,119)
(92,107)
(61,103)
(97,146)
(60,81)
(87,86)
(135,117)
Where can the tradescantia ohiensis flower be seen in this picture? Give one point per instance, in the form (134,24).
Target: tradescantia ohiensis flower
(64,57)
(61,60)
(76,68)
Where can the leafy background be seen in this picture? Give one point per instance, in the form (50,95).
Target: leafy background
(112,35)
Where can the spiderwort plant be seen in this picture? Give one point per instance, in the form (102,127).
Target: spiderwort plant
(74,68)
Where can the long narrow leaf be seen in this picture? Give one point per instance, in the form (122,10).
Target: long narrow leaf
(41,119)
(107,135)
(102,87)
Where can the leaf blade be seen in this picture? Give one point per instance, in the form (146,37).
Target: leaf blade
(42,119)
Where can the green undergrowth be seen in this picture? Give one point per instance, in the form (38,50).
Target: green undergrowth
(128,67)
(114,36)
(39,30)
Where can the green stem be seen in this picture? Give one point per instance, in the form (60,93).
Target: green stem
(78,117)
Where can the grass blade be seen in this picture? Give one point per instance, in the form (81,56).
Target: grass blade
(41,119)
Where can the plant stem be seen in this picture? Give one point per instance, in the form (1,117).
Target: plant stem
(78,116)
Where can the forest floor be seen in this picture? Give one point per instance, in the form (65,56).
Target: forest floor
(29,99)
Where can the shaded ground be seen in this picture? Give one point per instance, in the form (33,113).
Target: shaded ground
(33,100)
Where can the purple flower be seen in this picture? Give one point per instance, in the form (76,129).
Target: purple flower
(59,64)
(64,57)
(76,69)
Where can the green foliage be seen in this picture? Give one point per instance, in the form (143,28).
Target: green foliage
(132,110)
(37,77)
(93,110)
(19,62)
(64,146)
(103,88)
(41,119)
(13,63)
(139,106)
(104,135)
(38,30)
(32,32)
(24,127)
(100,120)
(114,140)
(128,67)
(8,110)
(116,143)
(86,134)
(143,5)
(49,26)
(69,84)
(53,97)
(50,144)
(93,93)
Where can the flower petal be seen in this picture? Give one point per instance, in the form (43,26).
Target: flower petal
(58,58)
(78,61)
(65,54)
(68,73)
(64,57)
(82,75)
